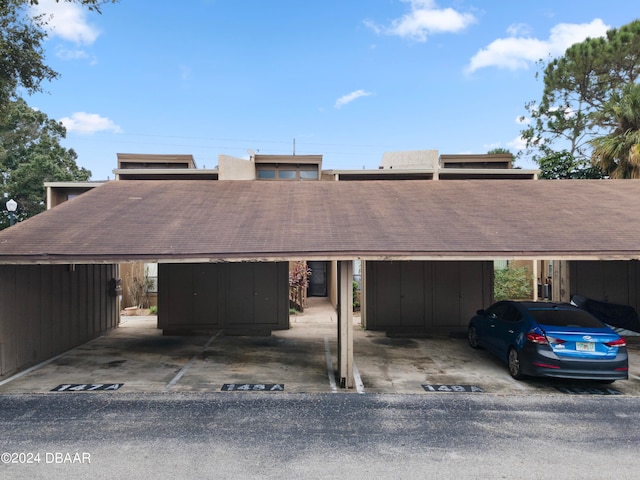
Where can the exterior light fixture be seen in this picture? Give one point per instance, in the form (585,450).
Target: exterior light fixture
(12,205)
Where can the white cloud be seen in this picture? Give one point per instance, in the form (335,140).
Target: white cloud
(518,29)
(518,144)
(492,146)
(515,53)
(185,72)
(75,54)
(67,54)
(67,21)
(424,19)
(87,123)
(350,97)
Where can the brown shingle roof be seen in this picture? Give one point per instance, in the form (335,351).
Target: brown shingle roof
(252,220)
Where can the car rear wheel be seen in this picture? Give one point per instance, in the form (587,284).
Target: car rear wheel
(514,364)
(472,336)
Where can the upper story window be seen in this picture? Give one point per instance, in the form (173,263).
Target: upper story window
(266,173)
(286,172)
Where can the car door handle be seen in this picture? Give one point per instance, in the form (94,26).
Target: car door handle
(510,331)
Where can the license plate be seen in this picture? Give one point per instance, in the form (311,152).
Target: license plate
(585,346)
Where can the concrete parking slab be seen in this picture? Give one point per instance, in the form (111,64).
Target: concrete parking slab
(138,358)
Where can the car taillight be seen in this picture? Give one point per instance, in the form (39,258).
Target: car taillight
(557,341)
(617,343)
(535,337)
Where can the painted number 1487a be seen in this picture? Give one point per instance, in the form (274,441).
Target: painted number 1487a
(87,387)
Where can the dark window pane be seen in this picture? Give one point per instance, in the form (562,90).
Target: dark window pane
(565,318)
(266,174)
(288,174)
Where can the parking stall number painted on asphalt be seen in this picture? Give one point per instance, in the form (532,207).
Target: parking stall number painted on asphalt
(452,388)
(87,387)
(253,387)
(589,391)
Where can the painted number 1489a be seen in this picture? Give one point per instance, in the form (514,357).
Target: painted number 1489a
(452,388)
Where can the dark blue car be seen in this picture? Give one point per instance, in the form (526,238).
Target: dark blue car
(550,340)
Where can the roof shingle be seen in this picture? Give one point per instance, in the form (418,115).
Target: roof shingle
(251,220)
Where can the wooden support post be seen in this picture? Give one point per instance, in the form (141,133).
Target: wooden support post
(345,324)
(561,281)
(535,280)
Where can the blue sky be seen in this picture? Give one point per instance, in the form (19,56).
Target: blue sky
(347,79)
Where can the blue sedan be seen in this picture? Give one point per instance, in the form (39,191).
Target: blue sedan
(550,340)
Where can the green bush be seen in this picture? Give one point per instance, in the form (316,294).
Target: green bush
(513,284)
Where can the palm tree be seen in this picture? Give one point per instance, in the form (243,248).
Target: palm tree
(618,153)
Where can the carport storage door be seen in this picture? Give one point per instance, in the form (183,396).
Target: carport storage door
(607,281)
(258,297)
(189,297)
(236,297)
(459,290)
(437,297)
(399,294)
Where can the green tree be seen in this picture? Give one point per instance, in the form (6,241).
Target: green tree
(563,165)
(22,58)
(31,154)
(577,87)
(21,53)
(30,150)
(618,153)
(502,151)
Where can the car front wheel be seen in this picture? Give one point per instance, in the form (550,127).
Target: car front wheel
(472,336)
(515,368)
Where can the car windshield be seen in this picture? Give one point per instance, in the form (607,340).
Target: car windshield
(565,318)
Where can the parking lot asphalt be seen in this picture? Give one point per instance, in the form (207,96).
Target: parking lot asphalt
(137,358)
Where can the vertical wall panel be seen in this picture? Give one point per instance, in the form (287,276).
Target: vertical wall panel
(39,311)
(266,295)
(23,338)
(45,319)
(8,325)
(446,289)
(240,293)
(175,295)
(474,289)
(206,291)
(412,302)
(387,292)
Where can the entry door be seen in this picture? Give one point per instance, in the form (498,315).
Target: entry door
(318,280)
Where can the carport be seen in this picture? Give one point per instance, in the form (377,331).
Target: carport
(224,245)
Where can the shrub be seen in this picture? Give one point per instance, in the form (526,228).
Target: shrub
(513,283)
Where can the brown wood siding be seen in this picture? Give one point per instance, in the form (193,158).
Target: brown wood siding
(236,297)
(48,309)
(431,297)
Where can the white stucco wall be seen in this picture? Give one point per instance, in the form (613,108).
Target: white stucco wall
(234,168)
